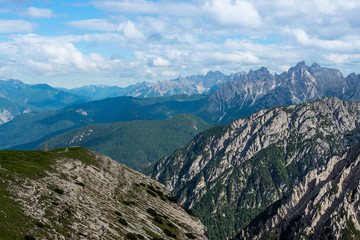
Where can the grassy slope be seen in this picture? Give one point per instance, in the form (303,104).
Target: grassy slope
(17,165)
(135,143)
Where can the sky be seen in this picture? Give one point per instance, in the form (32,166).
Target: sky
(122,42)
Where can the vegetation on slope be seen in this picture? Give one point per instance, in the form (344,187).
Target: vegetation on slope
(229,174)
(26,131)
(136,143)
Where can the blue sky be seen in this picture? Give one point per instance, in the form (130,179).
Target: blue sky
(121,42)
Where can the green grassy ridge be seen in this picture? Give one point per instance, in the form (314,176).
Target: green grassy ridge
(136,143)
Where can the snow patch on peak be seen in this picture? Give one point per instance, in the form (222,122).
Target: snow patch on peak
(82,112)
(5,116)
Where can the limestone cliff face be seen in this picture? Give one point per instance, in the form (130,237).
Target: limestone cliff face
(325,205)
(75,193)
(247,93)
(230,173)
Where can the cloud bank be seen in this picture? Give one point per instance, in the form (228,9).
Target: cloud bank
(123,42)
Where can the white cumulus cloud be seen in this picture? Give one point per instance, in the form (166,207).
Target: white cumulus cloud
(16,26)
(34,12)
(157,62)
(233,13)
(50,57)
(130,31)
(94,24)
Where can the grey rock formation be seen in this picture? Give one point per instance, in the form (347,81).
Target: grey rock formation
(196,84)
(230,173)
(325,205)
(247,93)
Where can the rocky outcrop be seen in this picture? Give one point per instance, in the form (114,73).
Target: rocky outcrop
(325,205)
(75,193)
(231,173)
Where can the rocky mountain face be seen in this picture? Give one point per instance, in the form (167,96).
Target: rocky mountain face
(75,193)
(191,85)
(196,84)
(353,92)
(230,173)
(17,97)
(247,93)
(325,205)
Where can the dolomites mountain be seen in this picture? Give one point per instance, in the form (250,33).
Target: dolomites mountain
(75,193)
(246,93)
(191,85)
(237,95)
(325,205)
(196,84)
(229,174)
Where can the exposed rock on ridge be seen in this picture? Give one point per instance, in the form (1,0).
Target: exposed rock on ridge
(230,173)
(325,205)
(75,193)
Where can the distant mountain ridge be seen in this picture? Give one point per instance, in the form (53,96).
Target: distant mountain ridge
(17,97)
(243,93)
(230,173)
(191,85)
(246,93)
(228,97)
(26,131)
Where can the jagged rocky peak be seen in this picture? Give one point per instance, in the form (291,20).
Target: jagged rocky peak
(259,89)
(237,170)
(75,193)
(325,205)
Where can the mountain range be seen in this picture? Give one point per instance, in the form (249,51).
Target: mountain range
(192,85)
(26,131)
(280,163)
(241,95)
(17,97)
(246,93)
(230,173)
